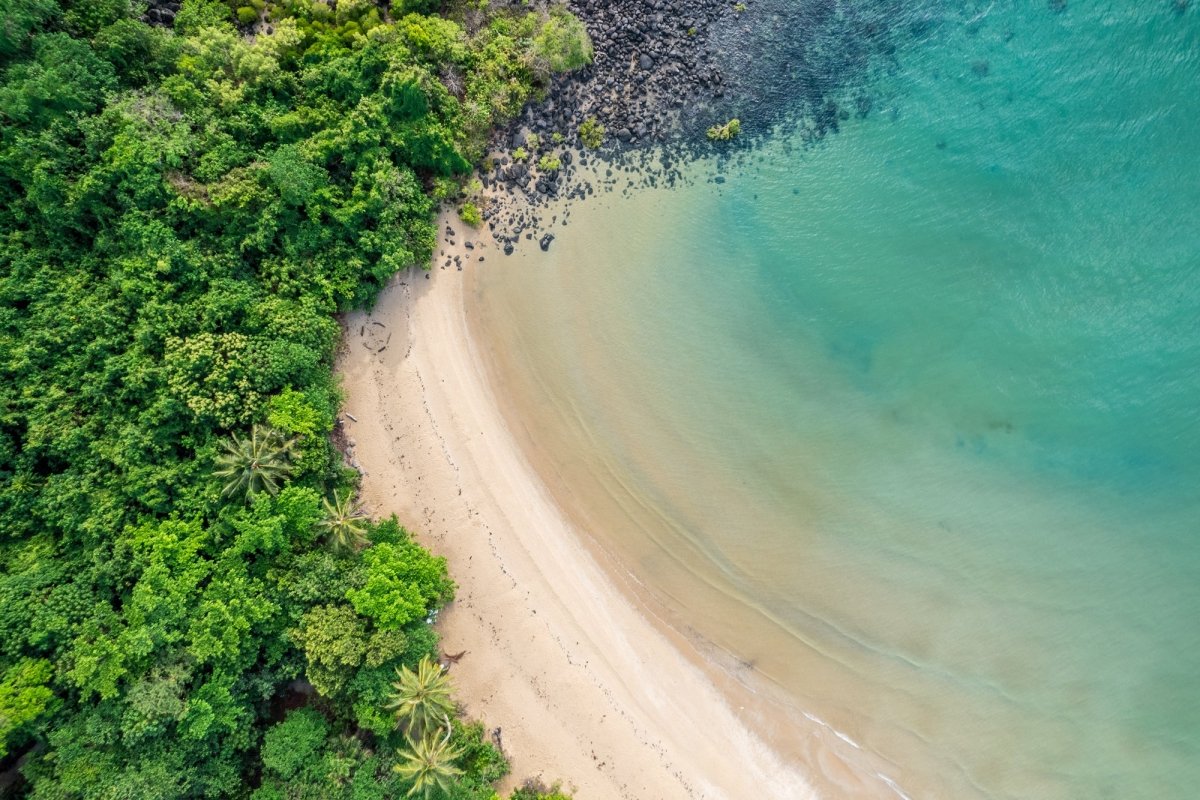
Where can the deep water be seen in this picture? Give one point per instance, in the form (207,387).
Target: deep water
(925,392)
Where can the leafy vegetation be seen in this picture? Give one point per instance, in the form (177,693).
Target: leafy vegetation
(723,133)
(191,604)
(591,133)
(256,463)
(549,162)
(470,214)
(428,766)
(535,790)
(420,698)
(344,522)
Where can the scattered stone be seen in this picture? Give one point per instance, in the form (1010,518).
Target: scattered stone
(664,72)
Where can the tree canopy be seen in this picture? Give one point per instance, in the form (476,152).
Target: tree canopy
(183,211)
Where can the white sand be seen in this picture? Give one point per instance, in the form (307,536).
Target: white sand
(583,686)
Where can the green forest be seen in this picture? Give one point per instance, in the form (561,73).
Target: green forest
(191,603)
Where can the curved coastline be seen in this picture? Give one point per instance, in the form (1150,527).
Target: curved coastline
(581,683)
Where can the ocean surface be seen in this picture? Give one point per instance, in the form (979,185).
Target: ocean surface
(903,418)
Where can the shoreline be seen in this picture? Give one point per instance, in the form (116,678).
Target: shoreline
(584,686)
(751,656)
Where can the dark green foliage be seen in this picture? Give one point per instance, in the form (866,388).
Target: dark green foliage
(292,745)
(182,213)
(84,18)
(481,762)
(18,21)
(138,52)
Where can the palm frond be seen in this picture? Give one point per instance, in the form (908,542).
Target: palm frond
(344,522)
(258,463)
(420,699)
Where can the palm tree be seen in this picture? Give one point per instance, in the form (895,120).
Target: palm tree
(255,464)
(421,699)
(344,523)
(429,765)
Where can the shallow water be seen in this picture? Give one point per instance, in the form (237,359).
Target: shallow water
(907,418)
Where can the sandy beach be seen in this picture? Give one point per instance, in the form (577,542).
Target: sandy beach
(583,687)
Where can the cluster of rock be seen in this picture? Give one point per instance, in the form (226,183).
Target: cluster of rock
(653,85)
(161,12)
(653,75)
(664,73)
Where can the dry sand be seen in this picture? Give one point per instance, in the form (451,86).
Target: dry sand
(582,685)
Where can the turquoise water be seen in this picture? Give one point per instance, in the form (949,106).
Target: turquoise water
(925,397)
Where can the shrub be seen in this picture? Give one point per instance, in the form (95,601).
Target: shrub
(470,214)
(533,141)
(247,15)
(723,133)
(591,133)
(534,789)
(549,162)
(562,44)
(519,154)
(445,188)
(290,745)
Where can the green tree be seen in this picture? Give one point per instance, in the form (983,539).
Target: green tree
(24,696)
(344,522)
(334,640)
(420,699)
(293,744)
(257,463)
(402,584)
(18,21)
(428,765)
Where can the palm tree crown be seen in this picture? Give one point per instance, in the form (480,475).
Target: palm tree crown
(344,522)
(255,464)
(421,699)
(429,765)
